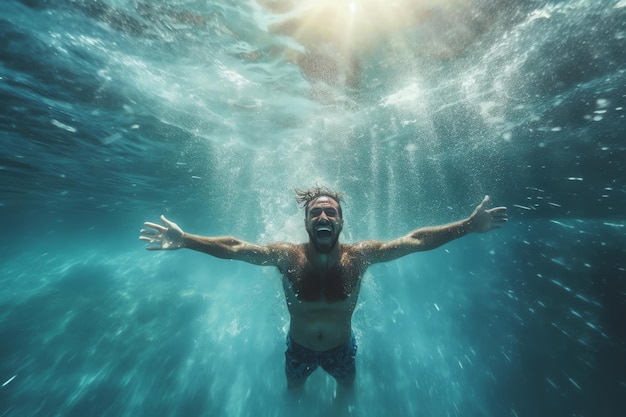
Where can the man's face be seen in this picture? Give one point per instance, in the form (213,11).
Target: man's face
(323,223)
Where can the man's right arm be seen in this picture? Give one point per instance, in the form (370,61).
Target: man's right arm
(170,236)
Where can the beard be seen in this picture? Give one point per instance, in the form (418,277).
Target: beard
(324,246)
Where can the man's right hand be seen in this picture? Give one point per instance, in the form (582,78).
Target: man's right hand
(168,237)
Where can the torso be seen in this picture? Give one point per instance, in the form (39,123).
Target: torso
(321,300)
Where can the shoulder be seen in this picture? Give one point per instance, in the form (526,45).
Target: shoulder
(285,253)
(287,247)
(368,251)
(364,247)
(283,248)
(359,251)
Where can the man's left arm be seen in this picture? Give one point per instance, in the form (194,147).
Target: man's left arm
(480,221)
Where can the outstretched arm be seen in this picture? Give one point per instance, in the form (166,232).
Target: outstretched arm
(427,238)
(170,236)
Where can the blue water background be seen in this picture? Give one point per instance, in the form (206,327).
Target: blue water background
(111,117)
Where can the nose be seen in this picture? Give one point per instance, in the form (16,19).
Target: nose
(323,216)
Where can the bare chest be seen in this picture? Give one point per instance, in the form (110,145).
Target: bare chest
(331,285)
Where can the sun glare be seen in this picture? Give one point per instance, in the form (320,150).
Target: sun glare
(358,22)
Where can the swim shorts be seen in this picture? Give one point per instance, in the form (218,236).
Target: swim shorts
(300,362)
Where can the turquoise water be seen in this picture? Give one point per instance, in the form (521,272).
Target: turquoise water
(115,112)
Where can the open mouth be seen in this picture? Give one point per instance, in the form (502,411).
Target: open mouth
(323,232)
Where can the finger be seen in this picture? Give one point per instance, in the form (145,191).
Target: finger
(148,232)
(155,226)
(154,240)
(483,203)
(166,221)
(495,215)
(500,209)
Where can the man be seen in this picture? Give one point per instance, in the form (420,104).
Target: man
(322,277)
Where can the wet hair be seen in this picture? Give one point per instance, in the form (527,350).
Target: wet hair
(305,197)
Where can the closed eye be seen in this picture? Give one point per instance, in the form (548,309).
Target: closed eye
(330,212)
(316,211)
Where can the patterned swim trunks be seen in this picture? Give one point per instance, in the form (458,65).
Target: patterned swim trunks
(300,362)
